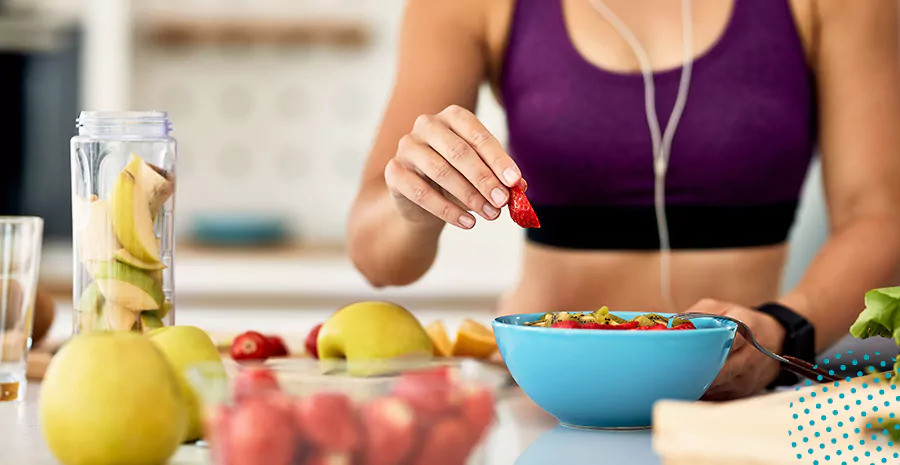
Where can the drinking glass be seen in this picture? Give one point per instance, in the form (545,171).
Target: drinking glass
(20,260)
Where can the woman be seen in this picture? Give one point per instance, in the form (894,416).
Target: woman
(771,80)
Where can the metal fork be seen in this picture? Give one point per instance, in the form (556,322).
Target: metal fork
(792,364)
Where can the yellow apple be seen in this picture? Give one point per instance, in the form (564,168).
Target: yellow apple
(185,346)
(105,390)
(373,331)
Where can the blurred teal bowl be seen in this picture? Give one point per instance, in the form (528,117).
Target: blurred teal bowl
(611,379)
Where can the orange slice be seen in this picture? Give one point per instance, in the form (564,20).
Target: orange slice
(438,334)
(474,340)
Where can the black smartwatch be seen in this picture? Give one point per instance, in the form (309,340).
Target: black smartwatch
(799,339)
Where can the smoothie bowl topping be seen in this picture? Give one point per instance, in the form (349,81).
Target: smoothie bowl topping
(603,319)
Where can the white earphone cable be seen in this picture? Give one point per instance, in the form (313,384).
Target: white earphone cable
(662,145)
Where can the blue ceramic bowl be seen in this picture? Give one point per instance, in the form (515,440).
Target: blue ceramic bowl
(611,379)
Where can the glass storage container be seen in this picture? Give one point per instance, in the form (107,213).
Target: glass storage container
(331,412)
(123,185)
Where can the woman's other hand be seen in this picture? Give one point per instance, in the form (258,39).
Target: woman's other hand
(747,371)
(448,166)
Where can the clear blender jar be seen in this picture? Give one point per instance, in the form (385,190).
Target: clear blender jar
(123,185)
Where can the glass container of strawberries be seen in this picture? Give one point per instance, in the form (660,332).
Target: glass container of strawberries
(308,412)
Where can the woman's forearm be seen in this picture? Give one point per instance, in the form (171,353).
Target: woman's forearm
(861,256)
(385,247)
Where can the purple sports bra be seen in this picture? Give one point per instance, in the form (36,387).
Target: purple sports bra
(740,154)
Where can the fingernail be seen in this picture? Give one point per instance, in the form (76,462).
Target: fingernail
(499,196)
(466,221)
(490,211)
(511,176)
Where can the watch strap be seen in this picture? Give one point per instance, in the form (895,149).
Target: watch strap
(799,339)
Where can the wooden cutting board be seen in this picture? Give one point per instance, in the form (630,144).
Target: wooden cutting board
(755,431)
(39,359)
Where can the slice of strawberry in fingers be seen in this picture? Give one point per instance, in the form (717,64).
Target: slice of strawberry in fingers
(520,209)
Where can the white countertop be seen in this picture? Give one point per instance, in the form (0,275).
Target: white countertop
(524,435)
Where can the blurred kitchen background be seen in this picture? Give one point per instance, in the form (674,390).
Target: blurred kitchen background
(275,104)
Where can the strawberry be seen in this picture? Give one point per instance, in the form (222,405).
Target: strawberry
(656,327)
(520,209)
(261,433)
(685,325)
(567,324)
(215,432)
(330,458)
(328,420)
(250,346)
(441,373)
(312,344)
(253,382)
(477,410)
(430,393)
(277,347)
(388,431)
(447,443)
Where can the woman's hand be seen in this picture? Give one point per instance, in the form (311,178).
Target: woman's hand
(747,371)
(448,166)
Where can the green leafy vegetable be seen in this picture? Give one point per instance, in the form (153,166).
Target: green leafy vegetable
(881,318)
(887,424)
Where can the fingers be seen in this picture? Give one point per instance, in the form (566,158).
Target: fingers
(470,129)
(729,381)
(462,157)
(402,182)
(451,163)
(711,306)
(421,158)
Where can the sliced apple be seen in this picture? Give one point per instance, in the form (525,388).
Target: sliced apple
(157,277)
(155,182)
(95,237)
(119,318)
(128,287)
(164,309)
(89,308)
(132,218)
(125,257)
(91,266)
(91,298)
(150,320)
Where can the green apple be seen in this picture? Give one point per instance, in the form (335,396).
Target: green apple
(90,308)
(164,309)
(128,287)
(104,390)
(150,320)
(156,275)
(125,257)
(131,214)
(91,298)
(373,331)
(185,346)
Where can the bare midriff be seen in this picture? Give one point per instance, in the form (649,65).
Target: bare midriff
(557,279)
